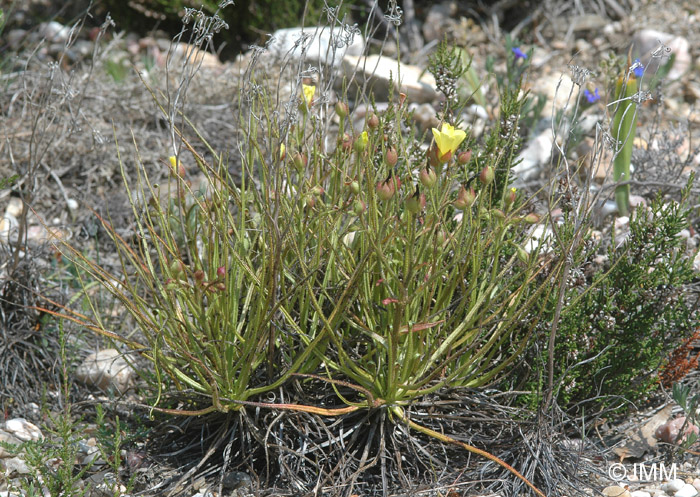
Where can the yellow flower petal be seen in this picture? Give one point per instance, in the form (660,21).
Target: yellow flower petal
(448,139)
(309,92)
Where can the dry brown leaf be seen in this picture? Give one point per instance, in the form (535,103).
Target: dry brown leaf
(641,439)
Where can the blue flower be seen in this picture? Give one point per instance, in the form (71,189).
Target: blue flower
(591,97)
(638,68)
(519,54)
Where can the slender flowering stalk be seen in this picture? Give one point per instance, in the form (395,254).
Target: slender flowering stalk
(623,130)
(448,139)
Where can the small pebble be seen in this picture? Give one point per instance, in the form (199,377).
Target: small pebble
(23,430)
(16,466)
(237,479)
(8,438)
(686,490)
(696,484)
(673,486)
(616,491)
(640,493)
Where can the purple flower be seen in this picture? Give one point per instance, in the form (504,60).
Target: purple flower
(591,97)
(638,68)
(519,54)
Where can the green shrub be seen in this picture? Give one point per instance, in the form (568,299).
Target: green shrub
(621,322)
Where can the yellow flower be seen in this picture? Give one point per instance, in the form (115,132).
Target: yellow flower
(309,92)
(176,166)
(448,140)
(361,141)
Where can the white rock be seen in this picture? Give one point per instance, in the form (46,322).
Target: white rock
(195,57)
(622,230)
(23,430)
(15,466)
(424,115)
(673,486)
(540,237)
(105,370)
(438,21)
(559,90)
(696,484)
(647,41)
(476,116)
(616,491)
(323,45)
(377,70)
(8,227)
(54,31)
(9,439)
(72,204)
(640,493)
(537,153)
(686,490)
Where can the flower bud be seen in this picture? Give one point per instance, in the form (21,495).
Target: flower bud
(465,198)
(486,175)
(300,161)
(498,214)
(245,245)
(373,121)
(402,99)
(531,218)
(428,177)
(177,268)
(355,187)
(463,157)
(310,201)
(359,207)
(522,254)
(387,188)
(441,237)
(346,143)
(341,109)
(318,190)
(433,159)
(510,197)
(391,156)
(416,202)
(199,276)
(283,151)
(445,157)
(221,271)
